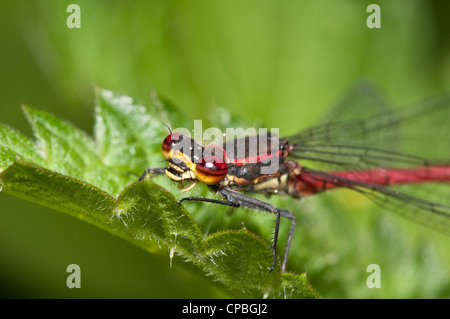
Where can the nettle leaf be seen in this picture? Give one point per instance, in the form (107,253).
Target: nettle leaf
(94,179)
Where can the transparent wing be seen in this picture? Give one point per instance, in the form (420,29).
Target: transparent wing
(416,134)
(363,132)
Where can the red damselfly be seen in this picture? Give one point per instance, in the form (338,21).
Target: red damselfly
(348,149)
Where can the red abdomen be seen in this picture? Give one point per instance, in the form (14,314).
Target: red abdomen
(308,183)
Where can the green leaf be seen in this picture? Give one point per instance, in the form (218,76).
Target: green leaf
(70,172)
(65,148)
(6,157)
(15,144)
(60,192)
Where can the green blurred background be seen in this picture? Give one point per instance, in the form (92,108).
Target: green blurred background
(282,62)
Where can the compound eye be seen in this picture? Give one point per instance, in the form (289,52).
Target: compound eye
(211,170)
(168,143)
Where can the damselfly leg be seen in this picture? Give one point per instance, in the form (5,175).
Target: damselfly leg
(151,171)
(236,199)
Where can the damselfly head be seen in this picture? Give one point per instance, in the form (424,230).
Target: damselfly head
(189,160)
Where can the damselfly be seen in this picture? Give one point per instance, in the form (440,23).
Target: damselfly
(362,154)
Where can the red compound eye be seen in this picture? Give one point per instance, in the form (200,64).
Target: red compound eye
(168,142)
(211,170)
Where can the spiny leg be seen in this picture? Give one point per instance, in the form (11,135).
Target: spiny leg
(149,171)
(209,200)
(251,202)
(275,240)
(236,199)
(235,204)
(291,216)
